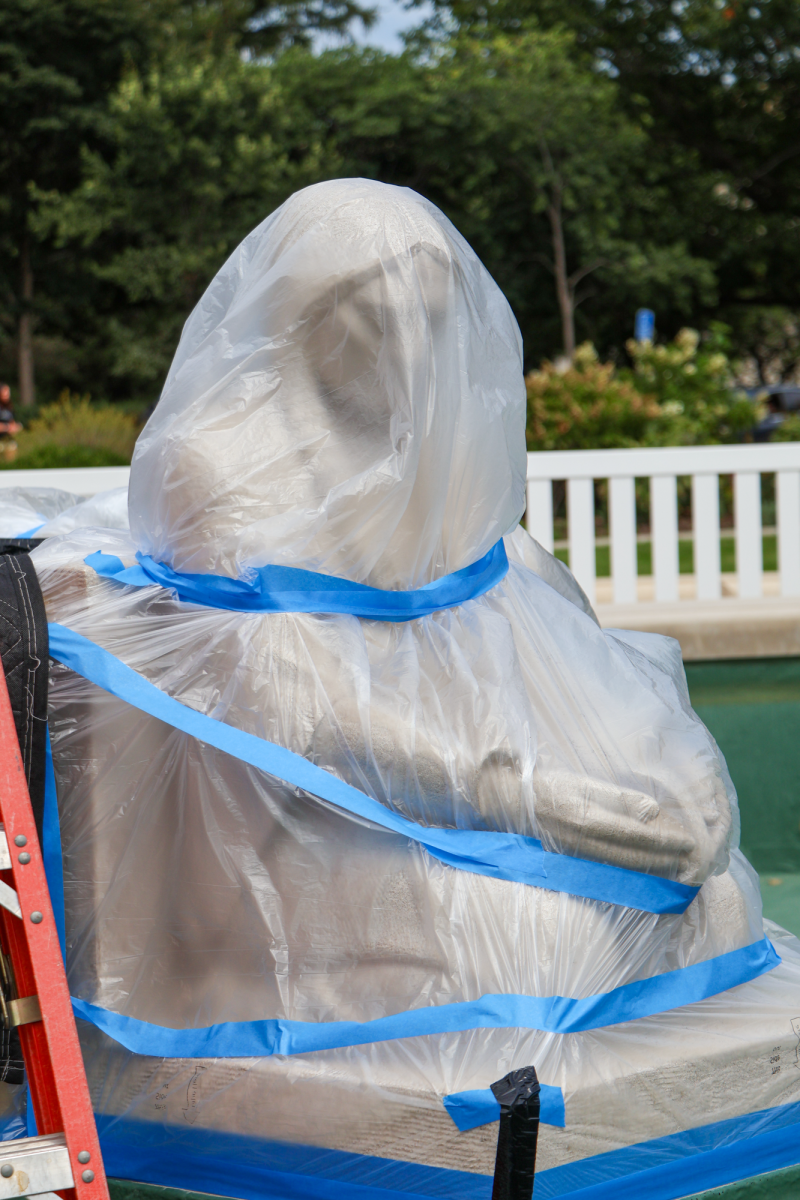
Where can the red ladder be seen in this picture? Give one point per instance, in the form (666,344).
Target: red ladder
(65,1158)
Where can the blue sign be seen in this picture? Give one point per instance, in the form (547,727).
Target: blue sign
(645,325)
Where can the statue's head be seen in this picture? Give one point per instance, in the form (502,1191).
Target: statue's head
(346,397)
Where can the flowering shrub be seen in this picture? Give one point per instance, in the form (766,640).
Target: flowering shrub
(588,406)
(693,381)
(678,394)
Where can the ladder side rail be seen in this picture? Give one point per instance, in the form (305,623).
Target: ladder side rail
(38,1068)
(36,956)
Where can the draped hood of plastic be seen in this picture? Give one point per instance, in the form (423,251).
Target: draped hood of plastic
(346,397)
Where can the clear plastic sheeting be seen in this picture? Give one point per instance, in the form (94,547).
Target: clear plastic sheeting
(638,1096)
(348,398)
(23,509)
(105,510)
(47,512)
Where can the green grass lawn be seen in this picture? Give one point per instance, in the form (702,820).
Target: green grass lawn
(685,556)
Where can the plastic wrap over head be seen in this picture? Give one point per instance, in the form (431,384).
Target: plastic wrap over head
(346,397)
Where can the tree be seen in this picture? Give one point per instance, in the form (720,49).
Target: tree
(61,62)
(201,152)
(58,60)
(574,188)
(257,27)
(561,133)
(720,82)
(526,148)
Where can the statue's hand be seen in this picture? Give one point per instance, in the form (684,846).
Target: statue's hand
(684,837)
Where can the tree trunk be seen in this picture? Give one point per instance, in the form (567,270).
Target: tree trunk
(563,289)
(27,390)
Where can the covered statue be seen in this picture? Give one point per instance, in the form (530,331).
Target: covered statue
(360,808)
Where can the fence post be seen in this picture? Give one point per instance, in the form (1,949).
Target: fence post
(580,515)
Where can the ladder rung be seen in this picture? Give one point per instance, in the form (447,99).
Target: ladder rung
(38,1165)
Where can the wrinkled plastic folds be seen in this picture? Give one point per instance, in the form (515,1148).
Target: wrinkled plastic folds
(47,512)
(347,398)
(23,509)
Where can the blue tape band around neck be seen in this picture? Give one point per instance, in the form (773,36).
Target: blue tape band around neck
(479,1107)
(550,1014)
(290,589)
(484,852)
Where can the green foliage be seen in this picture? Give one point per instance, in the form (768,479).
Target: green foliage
(59,59)
(789,431)
(202,151)
(693,380)
(257,26)
(589,406)
(548,131)
(718,84)
(76,433)
(678,394)
(769,336)
(140,142)
(50,456)
(496,131)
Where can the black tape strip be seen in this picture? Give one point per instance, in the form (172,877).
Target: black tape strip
(518,1097)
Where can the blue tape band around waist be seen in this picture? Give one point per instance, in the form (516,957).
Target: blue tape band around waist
(551,1014)
(507,856)
(291,589)
(479,1107)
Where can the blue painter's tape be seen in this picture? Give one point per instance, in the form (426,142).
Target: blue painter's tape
(291,589)
(13,1125)
(680,1164)
(51,847)
(479,1107)
(485,852)
(230,1164)
(552,1014)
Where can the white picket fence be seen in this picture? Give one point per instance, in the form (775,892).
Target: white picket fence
(662,467)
